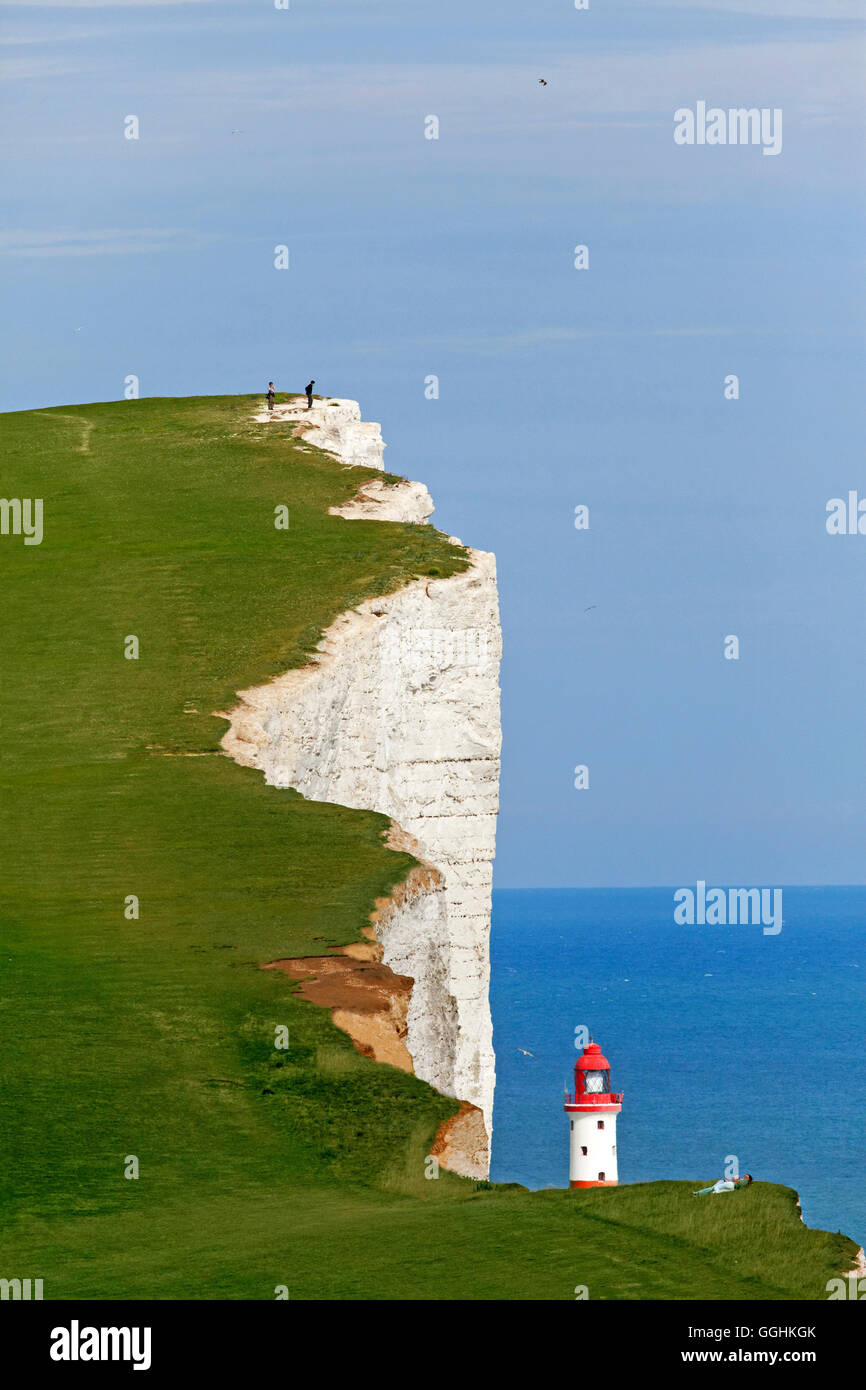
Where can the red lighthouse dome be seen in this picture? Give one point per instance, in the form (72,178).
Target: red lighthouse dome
(592,1082)
(591,1059)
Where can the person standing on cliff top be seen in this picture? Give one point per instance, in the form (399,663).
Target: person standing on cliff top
(309,390)
(270,395)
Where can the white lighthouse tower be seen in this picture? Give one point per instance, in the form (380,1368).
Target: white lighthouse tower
(592,1112)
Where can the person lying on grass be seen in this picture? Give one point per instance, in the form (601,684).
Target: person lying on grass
(725,1185)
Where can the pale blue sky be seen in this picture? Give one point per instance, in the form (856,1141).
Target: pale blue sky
(454,257)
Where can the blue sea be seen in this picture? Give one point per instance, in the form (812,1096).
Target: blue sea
(723,1040)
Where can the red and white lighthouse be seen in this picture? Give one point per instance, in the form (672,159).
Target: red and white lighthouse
(592,1112)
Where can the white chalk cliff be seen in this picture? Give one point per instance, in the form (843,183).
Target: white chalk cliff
(399,713)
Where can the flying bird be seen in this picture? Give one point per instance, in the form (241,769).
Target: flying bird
(527,1054)
(590,608)
(542,82)
(237,132)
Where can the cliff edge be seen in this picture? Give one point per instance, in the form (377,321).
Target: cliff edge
(399,713)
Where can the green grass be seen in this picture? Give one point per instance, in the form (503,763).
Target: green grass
(154,1037)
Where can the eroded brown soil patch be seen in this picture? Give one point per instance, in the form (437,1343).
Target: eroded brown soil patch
(461,1143)
(367,1000)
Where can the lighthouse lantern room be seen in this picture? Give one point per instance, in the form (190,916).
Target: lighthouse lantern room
(592,1110)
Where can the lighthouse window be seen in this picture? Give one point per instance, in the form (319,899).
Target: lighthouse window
(601,1124)
(583,1150)
(601,1177)
(596,1081)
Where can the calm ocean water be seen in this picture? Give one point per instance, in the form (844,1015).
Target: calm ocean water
(723,1040)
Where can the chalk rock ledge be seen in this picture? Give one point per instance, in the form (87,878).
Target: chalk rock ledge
(334,425)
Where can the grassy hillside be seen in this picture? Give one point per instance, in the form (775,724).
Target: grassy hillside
(154,1037)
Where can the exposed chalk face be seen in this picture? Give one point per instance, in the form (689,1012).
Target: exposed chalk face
(399,713)
(379,501)
(334,425)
